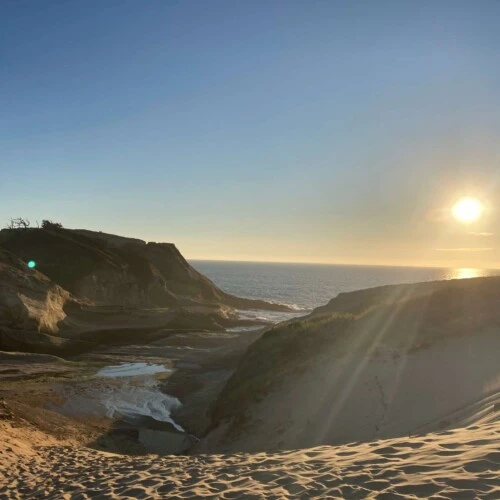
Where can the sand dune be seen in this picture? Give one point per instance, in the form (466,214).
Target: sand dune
(401,401)
(463,463)
(422,358)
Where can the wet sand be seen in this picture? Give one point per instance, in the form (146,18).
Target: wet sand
(63,399)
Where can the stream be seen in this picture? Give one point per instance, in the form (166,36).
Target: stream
(130,393)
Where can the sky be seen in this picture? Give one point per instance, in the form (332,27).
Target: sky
(291,131)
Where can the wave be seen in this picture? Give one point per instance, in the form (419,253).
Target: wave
(271,317)
(131,370)
(294,307)
(127,391)
(132,401)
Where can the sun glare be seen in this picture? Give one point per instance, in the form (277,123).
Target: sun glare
(467,210)
(465,273)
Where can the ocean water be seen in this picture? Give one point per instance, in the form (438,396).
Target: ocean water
(306,286)
(131,370)
(128,391)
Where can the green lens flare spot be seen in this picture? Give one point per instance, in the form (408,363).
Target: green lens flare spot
(31,264)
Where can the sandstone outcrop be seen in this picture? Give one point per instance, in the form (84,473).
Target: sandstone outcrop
(39,315)
(113,270)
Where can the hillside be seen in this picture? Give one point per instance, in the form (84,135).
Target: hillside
(378,363)
(37,315)
(91,289)
(114,270)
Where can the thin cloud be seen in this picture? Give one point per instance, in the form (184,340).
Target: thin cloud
(463,249)
(481,234)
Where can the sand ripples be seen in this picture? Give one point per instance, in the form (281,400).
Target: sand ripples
(464,463)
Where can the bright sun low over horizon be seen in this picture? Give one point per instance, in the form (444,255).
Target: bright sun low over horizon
(321,132)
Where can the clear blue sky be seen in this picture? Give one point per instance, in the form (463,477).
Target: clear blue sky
(324,131)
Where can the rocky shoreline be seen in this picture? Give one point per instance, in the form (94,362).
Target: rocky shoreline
(197,365)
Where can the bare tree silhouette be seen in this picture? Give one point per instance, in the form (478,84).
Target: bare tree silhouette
(18,223)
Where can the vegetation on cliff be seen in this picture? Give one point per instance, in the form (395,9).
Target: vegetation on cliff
(374,363)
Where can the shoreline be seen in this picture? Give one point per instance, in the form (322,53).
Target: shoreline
(70,392)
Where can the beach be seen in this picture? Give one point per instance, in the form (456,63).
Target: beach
(462,463)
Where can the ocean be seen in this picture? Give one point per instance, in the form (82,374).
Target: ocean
(306,286)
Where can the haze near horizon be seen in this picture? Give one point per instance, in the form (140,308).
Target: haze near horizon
(328,132)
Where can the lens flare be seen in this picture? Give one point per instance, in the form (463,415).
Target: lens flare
(31,264)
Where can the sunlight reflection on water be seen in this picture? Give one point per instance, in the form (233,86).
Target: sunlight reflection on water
(312,285)
(467,272)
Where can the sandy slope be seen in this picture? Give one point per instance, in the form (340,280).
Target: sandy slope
(463,463)
(425,363)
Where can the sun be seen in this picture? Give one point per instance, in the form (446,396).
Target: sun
(467,210)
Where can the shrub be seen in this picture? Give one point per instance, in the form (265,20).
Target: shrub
(48,224)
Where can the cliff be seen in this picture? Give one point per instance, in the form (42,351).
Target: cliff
(90,289)
(28,299)
(372,364)
(113,270)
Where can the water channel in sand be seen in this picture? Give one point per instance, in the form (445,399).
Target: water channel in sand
(128,391)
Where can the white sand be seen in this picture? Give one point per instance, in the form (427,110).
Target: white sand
(463,463)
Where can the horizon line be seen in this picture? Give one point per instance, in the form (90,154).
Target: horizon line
(339,264)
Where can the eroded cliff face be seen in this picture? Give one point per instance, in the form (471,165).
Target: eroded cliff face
(120,287)
(372,364)
(113,270)
(91,289)
(28,299)
(37,315)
